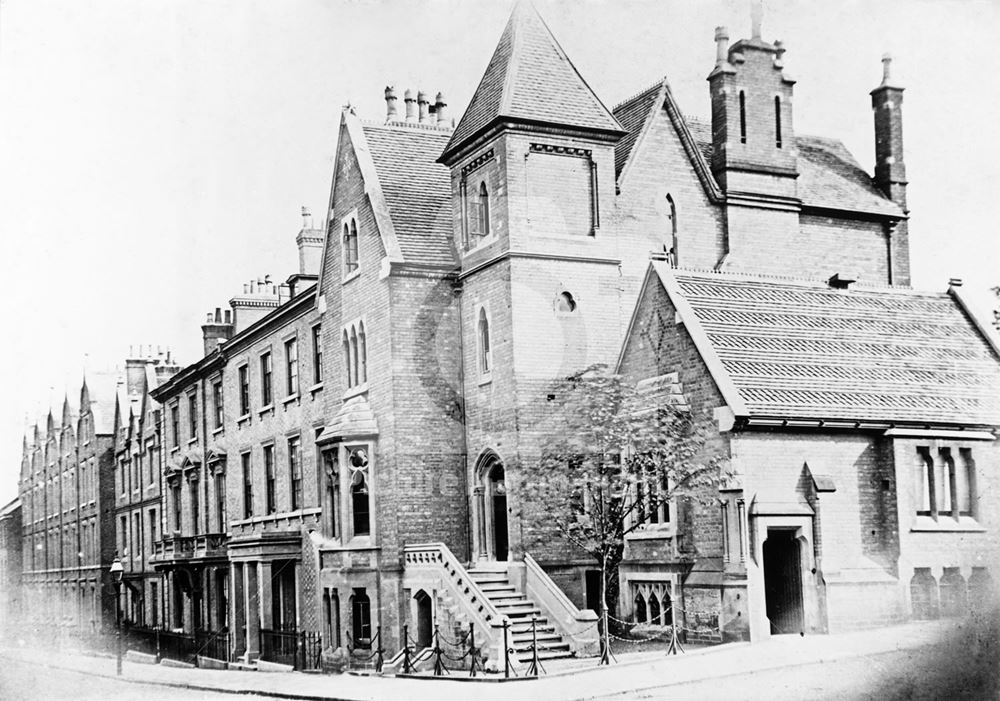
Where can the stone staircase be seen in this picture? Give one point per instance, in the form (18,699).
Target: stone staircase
(517,607)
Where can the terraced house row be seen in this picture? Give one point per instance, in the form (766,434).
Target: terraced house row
(354,451)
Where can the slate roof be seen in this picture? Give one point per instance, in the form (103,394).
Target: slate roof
(530,77)
(829,176)
(632,114)
(804,350)
(417,189)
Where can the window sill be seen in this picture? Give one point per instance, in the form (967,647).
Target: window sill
(356,273)
(946,524)
(652,533)
(264,409)
(356,390)
(485,379)
(176,449)
(483,243)
(245,419)
(318,387)
(290,398)
(217,431)
(192,441)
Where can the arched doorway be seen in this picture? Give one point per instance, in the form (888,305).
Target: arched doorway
(783,581)
(490,508)
(425,619)
(498,501)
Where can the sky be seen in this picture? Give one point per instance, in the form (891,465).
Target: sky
(154,156)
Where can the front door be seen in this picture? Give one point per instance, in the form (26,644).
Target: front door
(783,581)
(425,620)
(498,496)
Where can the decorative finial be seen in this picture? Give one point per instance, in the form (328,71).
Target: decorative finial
(756,17)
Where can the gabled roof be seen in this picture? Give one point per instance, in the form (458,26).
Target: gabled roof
(633,114)
(416,188)
(829,176)
(802,350)
(102,390)
(529,78)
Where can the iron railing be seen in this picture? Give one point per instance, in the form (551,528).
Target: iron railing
(300,649)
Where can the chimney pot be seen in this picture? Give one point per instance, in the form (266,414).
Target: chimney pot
(422,105)
(721,45)
(307,220)
(886,69)
(955,282)
(391,113)
(756,18)
(440,108)
(411,106)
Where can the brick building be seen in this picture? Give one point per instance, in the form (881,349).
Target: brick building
(67,500)
(10,566)
(138,486)
(354,451)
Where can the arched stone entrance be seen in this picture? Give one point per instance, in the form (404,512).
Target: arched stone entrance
(490,507)
(425,619)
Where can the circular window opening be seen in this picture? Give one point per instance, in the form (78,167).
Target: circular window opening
(565,303)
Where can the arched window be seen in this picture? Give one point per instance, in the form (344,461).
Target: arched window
(350,247)
(743,117)
(347,360)
(361,619)
(484,210)
(565,304)
(360,497)
(362,355)
(654,609)
(640,608)
(354,357)
(484,342)
(672,216)
(777,121)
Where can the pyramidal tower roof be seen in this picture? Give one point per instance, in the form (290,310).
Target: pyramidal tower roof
(530,79)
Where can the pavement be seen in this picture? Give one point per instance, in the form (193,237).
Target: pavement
(577,679)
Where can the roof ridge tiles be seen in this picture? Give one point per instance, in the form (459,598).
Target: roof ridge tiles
(653,86)
(407,126)
(816,283)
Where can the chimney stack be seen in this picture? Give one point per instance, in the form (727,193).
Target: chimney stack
(721,47)
(441,109)
(391,114)
(890,168)
(422,105)
(217,328)
(310,245)
(411,106)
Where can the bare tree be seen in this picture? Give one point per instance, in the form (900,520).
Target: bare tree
(623,452)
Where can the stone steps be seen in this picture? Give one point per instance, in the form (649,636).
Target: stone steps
(520,610)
